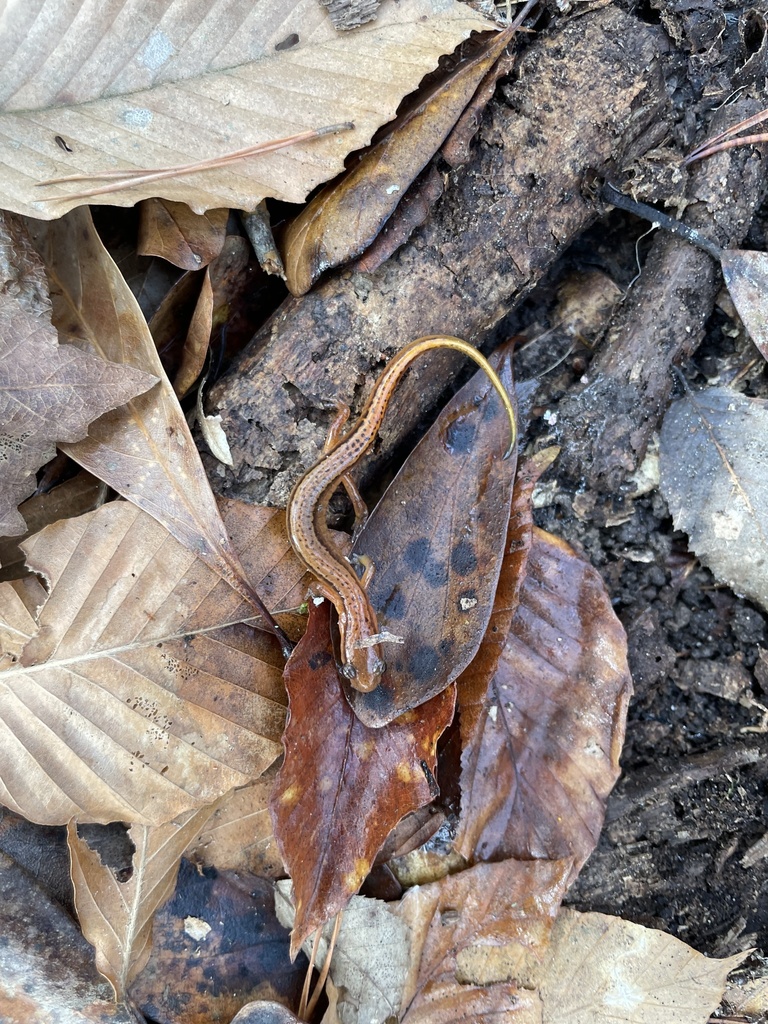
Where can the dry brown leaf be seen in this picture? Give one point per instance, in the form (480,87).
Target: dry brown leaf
(116,916)
(48,392)
(118,90)
(143,694)
(80,494)
(145,451)
(347,215)
(370,959)
(46,966)
(746,277)
(186,239)
(538,768)
(713,457)
(19,604)
(197,341)
(239,836)
(510,905)
(601,970)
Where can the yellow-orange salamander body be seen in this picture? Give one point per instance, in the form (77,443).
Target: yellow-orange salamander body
(362,662)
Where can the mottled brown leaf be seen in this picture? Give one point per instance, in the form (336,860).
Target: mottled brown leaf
(712,458)
(129,88)
(746,277)
(545,754)
(186,239)
(342,786)
(217,946)
(145,450)
(116,915)
(145,691)
(46,966)
(346,216)
(510,905)
(437,541)
(195,349)
(48,392)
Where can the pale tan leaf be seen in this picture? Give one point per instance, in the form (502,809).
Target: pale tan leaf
(18,621)
(143,693)
(145,450)
(370,958)
(713,460)
(116,917)
(123,90)
(601,970)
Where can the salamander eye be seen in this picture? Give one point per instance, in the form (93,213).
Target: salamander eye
(349,671)
(380,668)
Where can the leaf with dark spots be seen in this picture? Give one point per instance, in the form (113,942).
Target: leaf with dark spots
(437,540)
(217,945)
(343,787)
(543,754)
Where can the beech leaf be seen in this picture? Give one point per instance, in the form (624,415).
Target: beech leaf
(48,392)
(143,693)
(144,451)
(186,239)
(116,916)
(601,969)
(544,755)
(713,458)
(123,92)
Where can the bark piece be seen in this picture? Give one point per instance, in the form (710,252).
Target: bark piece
(503,220)
(661,322)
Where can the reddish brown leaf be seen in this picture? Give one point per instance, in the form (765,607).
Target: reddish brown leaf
(545,756)
(510,906)
(437,541)
(186,239)
(217,946)
(347,215)
(342,787)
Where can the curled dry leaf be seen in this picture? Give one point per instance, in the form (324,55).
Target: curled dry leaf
(48,392)
(370,958)
(142,693)
(601,969)
(186,239)
(342,787)
(437,541)
(217,945)
(196,343)
(46,966)
(145,451)
(192,86)
(504,910)
(346,216)
(544,753)
(713,454)
(116,916)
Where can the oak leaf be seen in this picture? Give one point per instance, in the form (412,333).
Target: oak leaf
(115,92)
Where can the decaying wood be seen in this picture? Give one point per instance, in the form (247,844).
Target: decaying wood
(588,94)
(606,422)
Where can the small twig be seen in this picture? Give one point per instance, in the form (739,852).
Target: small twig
(612,195)
(326,965)
(719,143)
(302,1014)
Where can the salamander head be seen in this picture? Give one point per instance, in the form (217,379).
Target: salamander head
(364,668)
